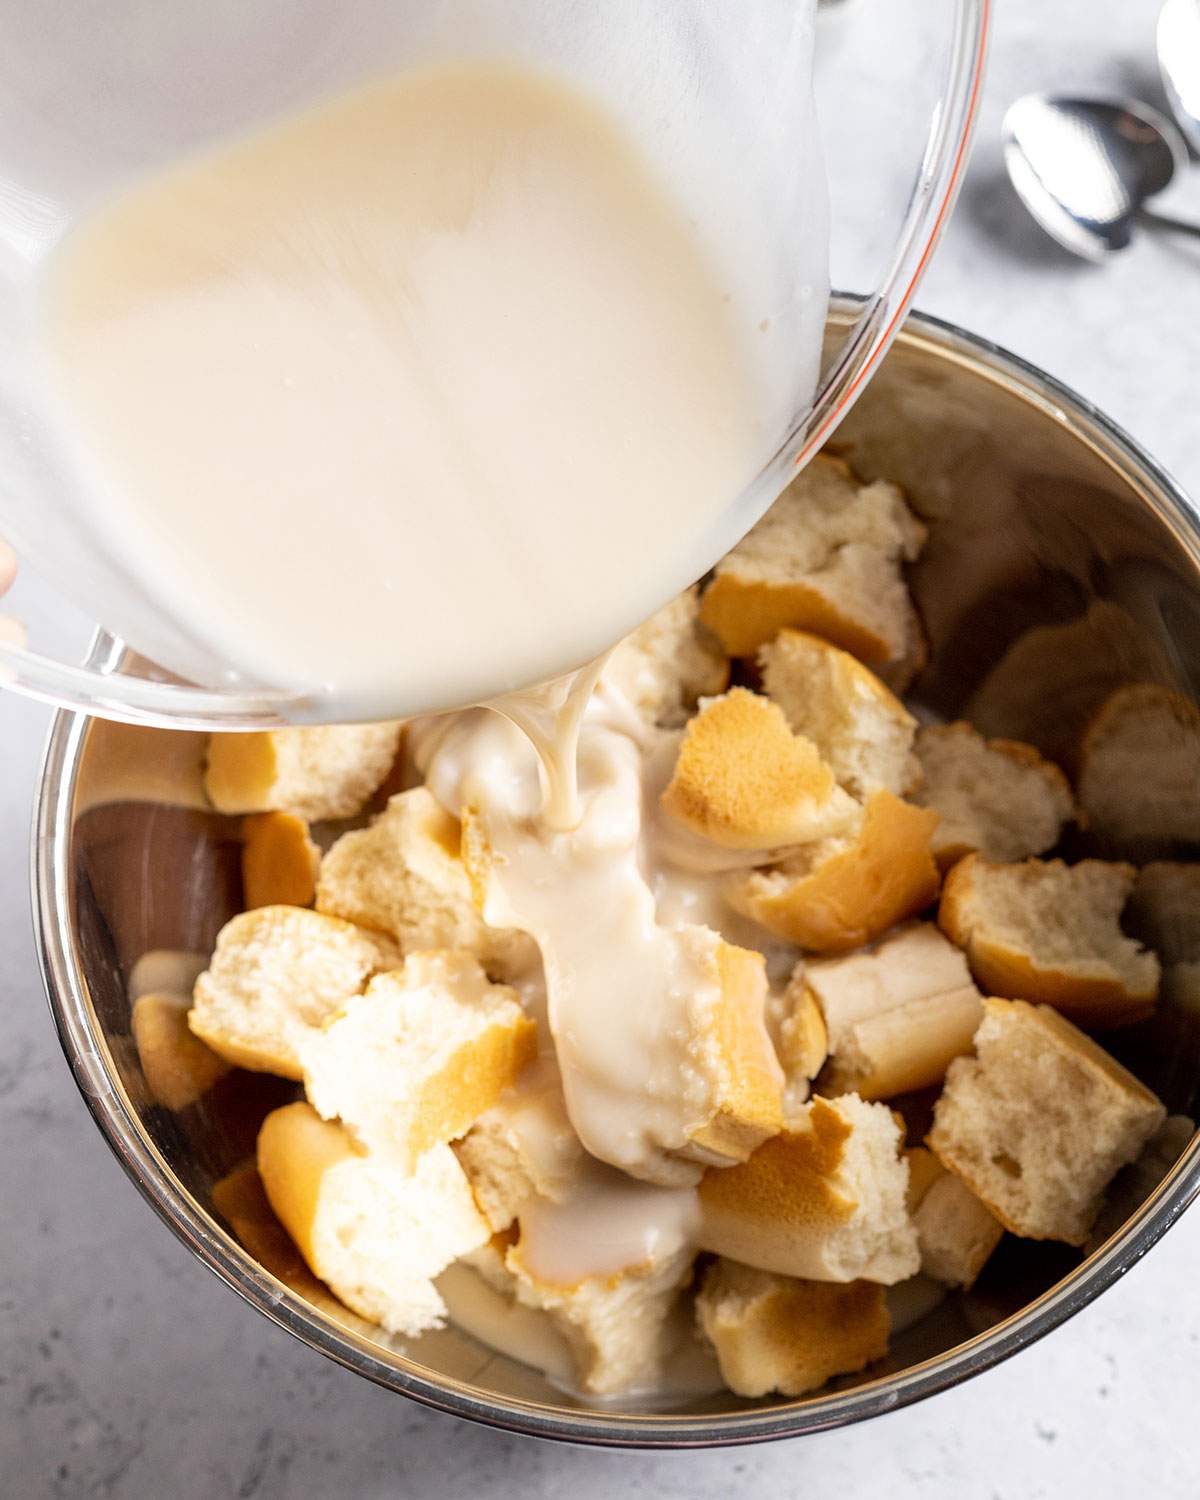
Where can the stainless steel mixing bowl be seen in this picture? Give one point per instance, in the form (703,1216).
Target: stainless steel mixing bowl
(1045,519)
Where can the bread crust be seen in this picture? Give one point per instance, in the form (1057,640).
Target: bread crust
(1097,1000)
(852,896)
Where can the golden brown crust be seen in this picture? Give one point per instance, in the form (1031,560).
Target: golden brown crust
(749,1101)
(745,781)
(885,876)
(776,1333)
(787,1183)
(745,613)
(279,861)
(1003,970)
(472,1079)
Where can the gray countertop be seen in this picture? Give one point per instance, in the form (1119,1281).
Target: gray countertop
(128,1370)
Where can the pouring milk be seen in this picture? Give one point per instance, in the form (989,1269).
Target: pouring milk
(428,393)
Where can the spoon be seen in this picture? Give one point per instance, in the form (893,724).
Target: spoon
(1179,62)
(1085,167)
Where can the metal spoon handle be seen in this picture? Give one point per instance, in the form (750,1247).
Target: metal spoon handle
(1155,220)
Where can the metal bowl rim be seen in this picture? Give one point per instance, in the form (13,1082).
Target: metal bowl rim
(90,1061)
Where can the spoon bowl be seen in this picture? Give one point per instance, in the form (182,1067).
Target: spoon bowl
(1084,168)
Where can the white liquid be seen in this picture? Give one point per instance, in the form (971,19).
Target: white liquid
(418,397)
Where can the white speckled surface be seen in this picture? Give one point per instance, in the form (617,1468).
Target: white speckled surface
(127,1370)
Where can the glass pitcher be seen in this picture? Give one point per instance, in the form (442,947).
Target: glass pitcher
(100,97)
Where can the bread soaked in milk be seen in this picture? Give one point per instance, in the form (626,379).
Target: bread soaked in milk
(693,1008)
(448,343)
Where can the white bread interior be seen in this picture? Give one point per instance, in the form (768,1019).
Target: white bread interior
(316,772)
(896,1014)
(824,1200)
(998,798)
(1046,931)
(861,729)
(277,973)
(825,558)
(374,1233)
(417,1058)
(1038,1122)
(404,876)
(619,1328)
(777,1333)
(668,663)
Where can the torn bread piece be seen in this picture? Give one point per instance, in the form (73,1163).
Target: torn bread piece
(177,1066)
(896,1015)
(956,1231)
(417,1058)
(1039,1121)
(404,876)
(323,771)
(1050,932)
(374,1233)
(777,1333)
(824,1200)
(843,892)
(997,798)
(277,973)
(1139,770)
(524,1145)
(279,861)
(668,663)
(620,1328)
(745,781)
(861,729)
(825,558)
(1164,910)
(802,1040)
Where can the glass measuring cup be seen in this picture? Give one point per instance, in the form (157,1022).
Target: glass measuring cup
(99,99)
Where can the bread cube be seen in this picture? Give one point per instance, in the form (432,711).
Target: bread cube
(416,1059)
(322,771)
(861,729)
(1039,1121)
(896,1014)
(404,876)
(1050,932)
(997,798)
(376,1234)
(745,781)
(776,1333)
(843,892)
(277,973)
(824,1200)
(825,558)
